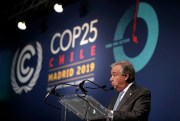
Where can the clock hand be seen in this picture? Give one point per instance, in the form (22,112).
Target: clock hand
(134,36)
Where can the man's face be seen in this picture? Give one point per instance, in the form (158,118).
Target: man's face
(118,80)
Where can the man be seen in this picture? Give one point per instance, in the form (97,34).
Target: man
(134,101)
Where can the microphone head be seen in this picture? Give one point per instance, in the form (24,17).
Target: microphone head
(104,86)
(111,88)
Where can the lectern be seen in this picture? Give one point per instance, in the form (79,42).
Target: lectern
(84,106)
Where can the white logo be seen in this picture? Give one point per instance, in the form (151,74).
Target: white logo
(25,73)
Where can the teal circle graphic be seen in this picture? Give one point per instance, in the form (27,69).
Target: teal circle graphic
(147,13)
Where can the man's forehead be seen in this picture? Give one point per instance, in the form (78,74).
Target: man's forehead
(116,68)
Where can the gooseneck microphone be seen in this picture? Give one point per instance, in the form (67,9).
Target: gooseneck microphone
(110,89)
(82,87)
(52,91)
(104,87)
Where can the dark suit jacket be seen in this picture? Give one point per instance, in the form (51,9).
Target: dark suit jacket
(134,106)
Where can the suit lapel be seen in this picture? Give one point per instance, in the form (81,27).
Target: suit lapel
(127,95)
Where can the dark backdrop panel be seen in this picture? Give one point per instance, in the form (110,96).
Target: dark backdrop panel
(159,72)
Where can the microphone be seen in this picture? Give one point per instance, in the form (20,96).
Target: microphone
(52,91)
(104,87)
(99,86)
(82,88)
(111,88)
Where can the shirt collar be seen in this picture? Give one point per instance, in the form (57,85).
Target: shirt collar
(125,90)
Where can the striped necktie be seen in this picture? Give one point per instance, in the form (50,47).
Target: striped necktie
(118,100)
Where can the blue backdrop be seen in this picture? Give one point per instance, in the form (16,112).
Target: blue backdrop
(71,47)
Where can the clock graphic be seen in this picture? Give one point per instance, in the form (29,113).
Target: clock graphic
(148,15)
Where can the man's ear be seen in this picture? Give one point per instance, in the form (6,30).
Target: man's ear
(127,77)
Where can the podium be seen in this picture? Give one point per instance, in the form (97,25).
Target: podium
(85,107)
